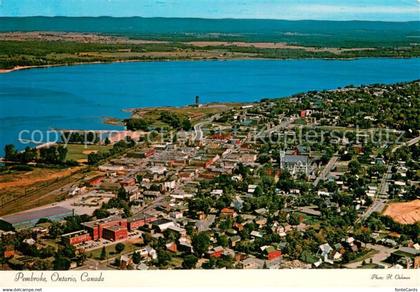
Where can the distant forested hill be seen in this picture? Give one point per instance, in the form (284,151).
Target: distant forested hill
(305,32)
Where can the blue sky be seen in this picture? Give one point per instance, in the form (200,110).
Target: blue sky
(390,10)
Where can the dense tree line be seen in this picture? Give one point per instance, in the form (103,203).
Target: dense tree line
(49,155)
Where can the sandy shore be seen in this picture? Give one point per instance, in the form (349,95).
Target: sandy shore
(17,68)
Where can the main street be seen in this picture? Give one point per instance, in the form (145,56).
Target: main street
(379,202)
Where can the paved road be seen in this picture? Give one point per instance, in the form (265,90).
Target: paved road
(383,187)
(326,170)
(197,127)
(382,253)
(198,131)
(283,125)
(408,143)
(377,206)
(152,205)
(379,203)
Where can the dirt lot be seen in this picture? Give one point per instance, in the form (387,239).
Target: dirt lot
(404,213)
(20,191)
(22,179)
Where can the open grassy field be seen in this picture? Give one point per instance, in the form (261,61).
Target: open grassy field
(130,246)
(79,152)
(194,113)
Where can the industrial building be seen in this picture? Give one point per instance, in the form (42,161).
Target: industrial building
(112,228)
(31,218)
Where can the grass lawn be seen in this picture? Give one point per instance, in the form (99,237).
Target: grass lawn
(80,152)
(367,254)
(110,250)
(176,262)
(308,219)
(51,242)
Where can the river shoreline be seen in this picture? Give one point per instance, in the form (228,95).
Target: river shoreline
(21,68)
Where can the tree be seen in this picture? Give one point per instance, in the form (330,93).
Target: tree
(189,262)
(47,252)
(68,251)
(136,124)
(163,257)
(200,243)
(81,259)
(61,263)
(103,253)
(42,265)
(119,247)
(186,124)
(61,153)
(28,155)
(94,158)
(127,212)
(122,194)
(294,219)
(101,213)
(53,154)
(136,258)
(223,240)
(10,152)
(354,167)
(56,229)
(258,192)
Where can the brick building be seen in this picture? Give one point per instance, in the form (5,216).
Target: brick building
(115,232)
(140,220)
(76,237)
(96,228)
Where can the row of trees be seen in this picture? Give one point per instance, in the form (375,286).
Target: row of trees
(49,155)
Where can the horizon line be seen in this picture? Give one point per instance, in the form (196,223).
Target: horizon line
(209,18)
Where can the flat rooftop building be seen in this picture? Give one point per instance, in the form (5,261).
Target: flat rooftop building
(29,219)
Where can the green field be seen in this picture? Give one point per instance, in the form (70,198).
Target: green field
(110,250)
(80,152)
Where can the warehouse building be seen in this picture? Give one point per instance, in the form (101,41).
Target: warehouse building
(30,218)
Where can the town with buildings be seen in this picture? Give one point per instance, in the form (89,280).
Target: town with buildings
(326,179)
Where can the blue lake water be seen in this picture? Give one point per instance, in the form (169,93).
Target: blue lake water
(79,97)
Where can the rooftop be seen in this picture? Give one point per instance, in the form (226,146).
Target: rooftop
(37,214)
(295,159)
